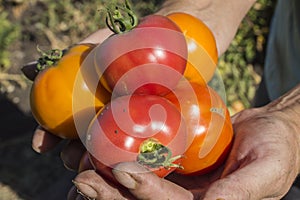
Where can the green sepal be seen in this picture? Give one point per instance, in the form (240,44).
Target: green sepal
(154,155)
(48,58)
(120,18)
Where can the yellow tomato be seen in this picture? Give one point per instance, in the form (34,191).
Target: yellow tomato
(52,94)
(202,48)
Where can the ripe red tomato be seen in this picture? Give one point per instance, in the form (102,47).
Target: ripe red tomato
(208,125)
(149,59)
(143,128)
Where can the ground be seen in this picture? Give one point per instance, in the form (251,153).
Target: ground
(24,174)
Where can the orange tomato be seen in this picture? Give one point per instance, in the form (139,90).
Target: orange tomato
(52,94)
(202,48)
(208,124)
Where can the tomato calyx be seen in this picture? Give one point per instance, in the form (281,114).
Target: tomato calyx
(48,58)
(121,18)
(153,154)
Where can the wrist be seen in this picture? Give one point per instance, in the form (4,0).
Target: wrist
(216,14)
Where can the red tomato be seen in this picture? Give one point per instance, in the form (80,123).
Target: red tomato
(143,128)
(149,59)
(208,124)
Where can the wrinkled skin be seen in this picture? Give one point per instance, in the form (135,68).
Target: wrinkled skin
(263,164)
(264,160)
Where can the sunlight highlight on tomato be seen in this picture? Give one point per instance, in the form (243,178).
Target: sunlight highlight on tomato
(202,48)
(143,128)
(208,125)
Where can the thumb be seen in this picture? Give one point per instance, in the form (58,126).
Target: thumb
(144,184)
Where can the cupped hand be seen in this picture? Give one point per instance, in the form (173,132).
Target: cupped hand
(264,160)
(72,151)
(263,164)
(134,182)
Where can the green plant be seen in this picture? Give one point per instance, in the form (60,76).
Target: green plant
(9,32)
(64,23)
(241,65)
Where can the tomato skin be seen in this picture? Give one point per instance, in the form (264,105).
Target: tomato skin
(209,128)
(51,96)
(202,48)
(126,122)
(149,59)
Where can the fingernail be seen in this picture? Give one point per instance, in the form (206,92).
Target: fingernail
(125,179)
(66,162)
(66,165)
(37,141)
(43,140)
(80,197)
(89,192)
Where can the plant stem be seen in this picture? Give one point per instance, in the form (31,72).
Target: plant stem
(154,155)
(121,18)
(48,58)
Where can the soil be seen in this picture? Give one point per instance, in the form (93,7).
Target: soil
(25,174)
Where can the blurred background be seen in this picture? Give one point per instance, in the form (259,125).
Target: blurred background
(24,24)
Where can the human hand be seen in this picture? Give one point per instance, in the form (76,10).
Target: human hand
(263,164)
(89,183)
(44,141)
(71,153)
(132,181)
(264,160)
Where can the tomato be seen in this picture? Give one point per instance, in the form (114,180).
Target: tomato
(143,128)
(150,58)
(52,94)
(202,48)
(208,125)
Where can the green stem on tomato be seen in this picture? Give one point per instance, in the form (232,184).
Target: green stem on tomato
(121,18)
(48,58)
(154,155)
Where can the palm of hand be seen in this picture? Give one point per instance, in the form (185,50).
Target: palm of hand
(261,165)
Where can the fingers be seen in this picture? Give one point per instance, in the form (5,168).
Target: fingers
(72,154)
(252,181)
(72,195)
(44,141)
(146,185)
(85,163)
(97,37)
(29,70)
(90,184)
(136,183)
(75,194)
